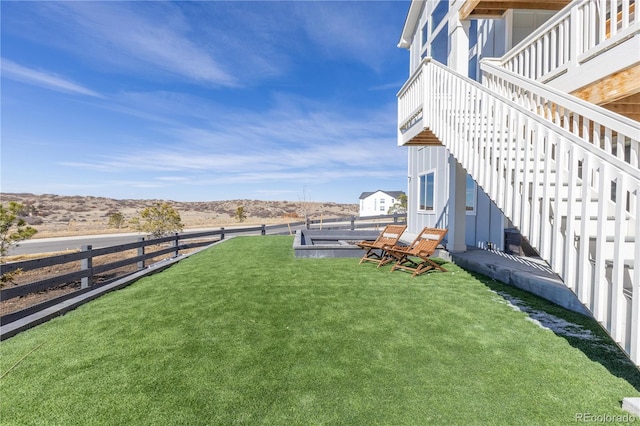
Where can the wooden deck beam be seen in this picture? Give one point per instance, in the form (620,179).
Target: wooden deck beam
(475,9)
(613,89)
(629,106)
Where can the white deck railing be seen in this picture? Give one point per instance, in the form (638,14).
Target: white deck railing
(580,31)
(616,135)
(576,202)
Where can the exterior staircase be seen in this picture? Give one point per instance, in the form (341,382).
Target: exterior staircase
(564,171)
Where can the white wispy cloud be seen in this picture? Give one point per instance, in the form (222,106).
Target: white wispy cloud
(396,85)
(152,36)
(47,80)
(342,30)
(224,44)
(208,94)
(290,144)
(172,178)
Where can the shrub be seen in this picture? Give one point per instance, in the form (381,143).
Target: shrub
(13,229)
(158,220)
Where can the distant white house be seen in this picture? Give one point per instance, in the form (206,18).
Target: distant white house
(378,202)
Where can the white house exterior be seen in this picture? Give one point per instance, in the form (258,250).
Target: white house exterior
(378,202)
(523,114)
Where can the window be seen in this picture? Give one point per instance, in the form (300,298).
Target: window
(473,33)
(382,200)
(471,195)
(473,68)
(425,33)
(473,50)
(427,195)
(440,46)
(439,13)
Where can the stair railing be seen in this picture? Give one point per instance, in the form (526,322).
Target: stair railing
(615,134)
(545,179)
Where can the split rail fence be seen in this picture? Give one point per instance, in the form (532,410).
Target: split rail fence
(172,245)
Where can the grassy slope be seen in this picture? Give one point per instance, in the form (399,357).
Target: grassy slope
(246,333)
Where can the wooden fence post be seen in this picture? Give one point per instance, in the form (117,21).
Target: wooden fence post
(263,230)
(353,225)
(176,244)
(141,253)
(222,233)
(86,264)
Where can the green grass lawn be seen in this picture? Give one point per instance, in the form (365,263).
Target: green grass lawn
(246,333)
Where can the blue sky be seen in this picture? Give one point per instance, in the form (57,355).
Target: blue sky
(202,101)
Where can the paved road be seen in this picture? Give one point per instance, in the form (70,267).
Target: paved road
(47,245)
(58,244)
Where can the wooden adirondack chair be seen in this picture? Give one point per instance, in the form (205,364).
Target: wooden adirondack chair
(416,257)
(375,251)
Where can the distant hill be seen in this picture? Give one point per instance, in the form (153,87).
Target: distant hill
(54,215)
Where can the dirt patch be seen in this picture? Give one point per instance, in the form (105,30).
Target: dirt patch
(19,303)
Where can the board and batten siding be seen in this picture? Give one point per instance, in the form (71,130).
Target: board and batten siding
(484,225)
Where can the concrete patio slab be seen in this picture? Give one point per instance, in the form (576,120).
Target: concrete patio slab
(526,273)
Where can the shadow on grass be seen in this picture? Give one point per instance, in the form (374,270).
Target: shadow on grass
(582,332)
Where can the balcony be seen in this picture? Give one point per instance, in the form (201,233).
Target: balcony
(493,9)
(591,50)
